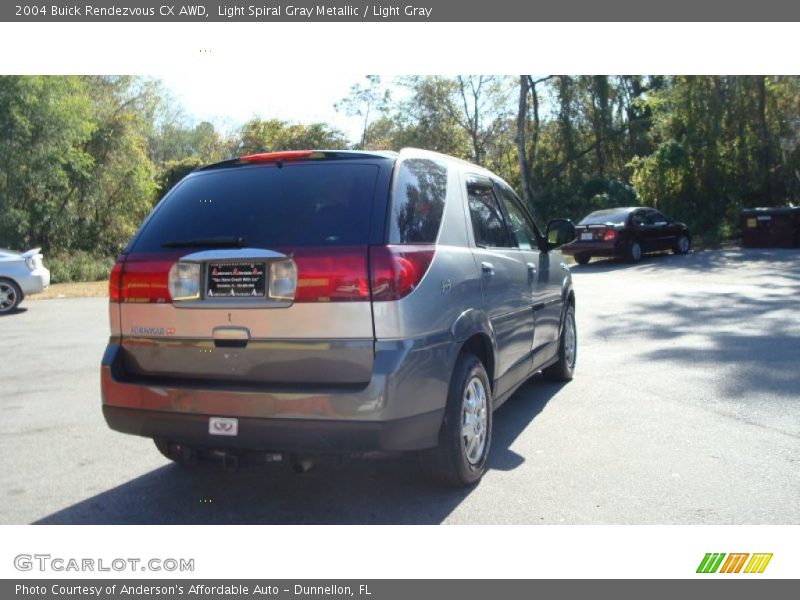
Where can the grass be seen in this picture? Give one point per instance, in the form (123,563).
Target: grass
(90,289)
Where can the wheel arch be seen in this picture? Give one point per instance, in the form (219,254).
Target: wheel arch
(473,332)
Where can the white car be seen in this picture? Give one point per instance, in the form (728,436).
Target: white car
(21,274)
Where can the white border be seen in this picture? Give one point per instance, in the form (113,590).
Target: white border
(428,552)
(294,49)
(300,49)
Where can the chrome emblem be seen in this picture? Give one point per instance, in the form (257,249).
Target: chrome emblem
(447,285)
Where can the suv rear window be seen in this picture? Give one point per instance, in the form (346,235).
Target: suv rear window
(420,188)
(299,205)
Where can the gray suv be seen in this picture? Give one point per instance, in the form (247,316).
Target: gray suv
(309,302)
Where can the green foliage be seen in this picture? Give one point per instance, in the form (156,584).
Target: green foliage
(78,265)
(259,135)
(719,144)
(46,124)
(175,170)
(74,173)
(84,159)
(365,101)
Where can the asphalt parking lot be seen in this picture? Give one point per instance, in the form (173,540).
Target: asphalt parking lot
(685,409)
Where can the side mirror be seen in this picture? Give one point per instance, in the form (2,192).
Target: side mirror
(560,232)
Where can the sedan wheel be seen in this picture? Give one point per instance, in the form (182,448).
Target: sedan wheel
(634,252)
(10,296)
(682,245)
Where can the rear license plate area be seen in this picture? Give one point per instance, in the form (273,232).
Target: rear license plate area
(236,280)
(585,237)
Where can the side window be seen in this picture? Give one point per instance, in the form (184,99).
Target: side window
(420,189)
(518,221)
(639,219)
(488,224)
(656,218)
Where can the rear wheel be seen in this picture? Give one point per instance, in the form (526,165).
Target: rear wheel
(582,259)
(564,369)
(465,437)
(10,296)
(634,252)
(682,245)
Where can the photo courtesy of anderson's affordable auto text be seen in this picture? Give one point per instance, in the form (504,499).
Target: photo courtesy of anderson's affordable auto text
(324,300)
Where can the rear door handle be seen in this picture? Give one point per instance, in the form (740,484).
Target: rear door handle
(487,268)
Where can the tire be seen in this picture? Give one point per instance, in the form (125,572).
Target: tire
(180,454)
(634,254)
(564,369)
(682,245)
(582,259)
(466,434)
(10,296)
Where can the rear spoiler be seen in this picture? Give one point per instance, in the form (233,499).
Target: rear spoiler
(31,253)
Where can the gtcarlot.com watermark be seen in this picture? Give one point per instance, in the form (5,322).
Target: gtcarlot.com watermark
(58,564)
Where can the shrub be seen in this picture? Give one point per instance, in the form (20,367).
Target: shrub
(78,265)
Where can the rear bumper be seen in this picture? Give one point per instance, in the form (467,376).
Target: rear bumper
(400,408)
(593,249)
(36,282)
(280,435)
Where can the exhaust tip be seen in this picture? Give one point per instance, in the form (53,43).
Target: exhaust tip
(301,463)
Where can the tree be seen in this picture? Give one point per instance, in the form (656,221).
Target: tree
(258,135)
(365,101)
(46,123)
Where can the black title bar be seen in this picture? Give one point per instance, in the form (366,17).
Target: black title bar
(403,11)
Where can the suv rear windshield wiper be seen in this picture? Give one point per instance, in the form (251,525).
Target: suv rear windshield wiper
(225,242)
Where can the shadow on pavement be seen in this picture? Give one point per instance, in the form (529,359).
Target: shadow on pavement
(787,260)
(367,491)
(749,337)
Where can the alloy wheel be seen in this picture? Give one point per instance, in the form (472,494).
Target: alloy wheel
(8,297)
(474,420)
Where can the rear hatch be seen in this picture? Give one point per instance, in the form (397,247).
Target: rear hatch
(256,271)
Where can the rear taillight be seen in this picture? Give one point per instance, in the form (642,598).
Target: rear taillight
(33,262)
(141,279)
(146,282)
(609,235)
(395,271)
(331,274)
(115,281)
(309,275)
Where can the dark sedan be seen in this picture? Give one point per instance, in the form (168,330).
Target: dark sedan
(627,233)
